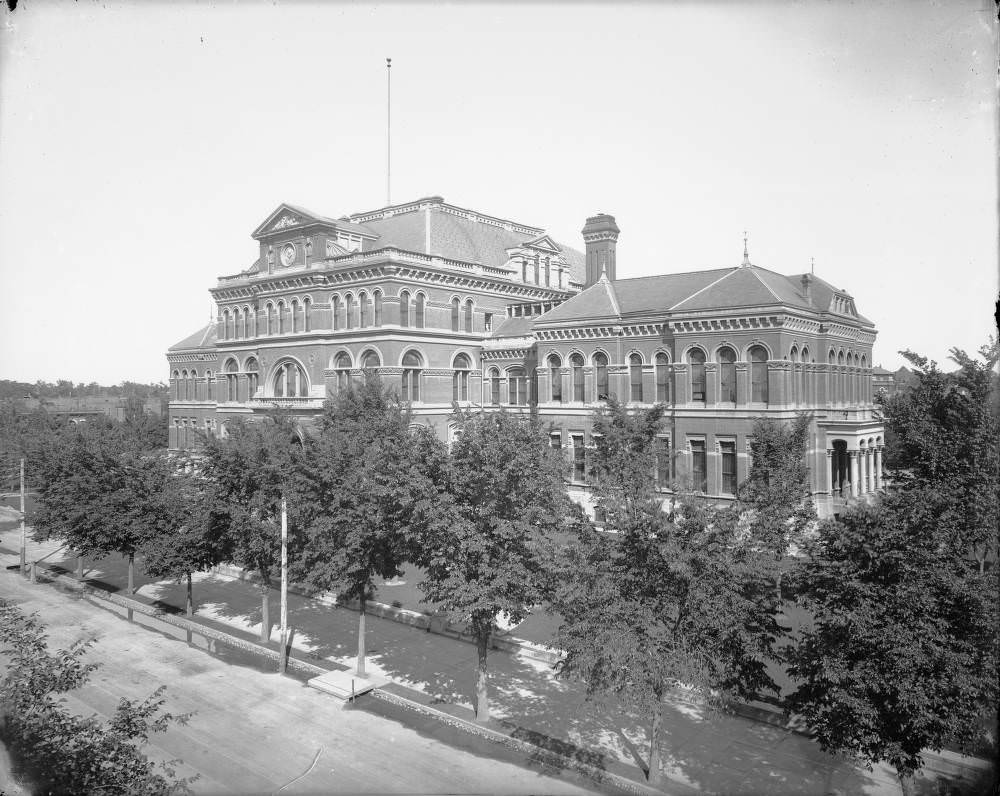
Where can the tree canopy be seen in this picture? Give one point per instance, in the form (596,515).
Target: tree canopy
(507,503)
(368,489)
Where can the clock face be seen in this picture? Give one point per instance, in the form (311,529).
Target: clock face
(287,254)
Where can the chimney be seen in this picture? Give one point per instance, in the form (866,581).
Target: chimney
(807,287)
(600,234)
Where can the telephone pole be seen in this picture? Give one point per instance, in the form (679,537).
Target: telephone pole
(24,544)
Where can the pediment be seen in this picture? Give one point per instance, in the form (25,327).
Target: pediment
(543,242)
(286,217)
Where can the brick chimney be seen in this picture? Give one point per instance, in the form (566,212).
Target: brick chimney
(600,234)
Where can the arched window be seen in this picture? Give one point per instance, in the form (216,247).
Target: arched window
(307,313)
(404,309)
(831,358)
(176,378)
(237,324)
(252,377)
(494,386)
(805,354)
(290,381)
(517,387)
(194,385)
(555,378)
(576,375)
(727,375)
(635,378)
(225,325)
(269,319)
(184,385)
(348,311)
(468,316)
(601,376)
(696,358)
(418,314)
(281,317)
(460,378)
(370,361)
(412,363)
(362,310)
(758,374)
(232,380)
(209,386)
(295,315)
(335,313)
(662,378)
(342,365)
(377,307)
(455,311)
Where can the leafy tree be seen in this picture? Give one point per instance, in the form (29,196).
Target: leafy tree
(250,470)
(98,493)
(508,501)
(903,655)
(666,599)
(181,536)
(368,492)
(62,753)
(946,428)
(775,502)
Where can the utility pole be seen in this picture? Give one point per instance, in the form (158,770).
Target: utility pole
(283,655)
(24,544)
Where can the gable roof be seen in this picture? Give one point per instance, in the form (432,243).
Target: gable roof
(295,216)
(597,302)
(203,338)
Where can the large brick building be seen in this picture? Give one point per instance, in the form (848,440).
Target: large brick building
(451,305)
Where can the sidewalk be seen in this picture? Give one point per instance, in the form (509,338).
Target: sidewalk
(703,750)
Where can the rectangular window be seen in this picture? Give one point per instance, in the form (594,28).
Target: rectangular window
(699,466)
(488,321)
(579,458)
(662,451)
(555,440)
(728,451)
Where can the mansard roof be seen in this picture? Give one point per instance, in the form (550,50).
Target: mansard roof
(459,234)
(694,291)
(203,338)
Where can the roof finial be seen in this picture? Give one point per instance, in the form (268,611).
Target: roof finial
(746,254)
(812,266)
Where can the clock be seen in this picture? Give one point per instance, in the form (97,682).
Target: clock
(287,254)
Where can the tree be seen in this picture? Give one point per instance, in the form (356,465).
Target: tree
(945,429)
(62,753)
(249,471)
(660,600)
(507,502)
(775,502)
(180,535)
(98,490)
(369,489)
(903,655)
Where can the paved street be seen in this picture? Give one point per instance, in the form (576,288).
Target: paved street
(703,750)
(255,732)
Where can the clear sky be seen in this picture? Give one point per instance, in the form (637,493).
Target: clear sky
(141,144)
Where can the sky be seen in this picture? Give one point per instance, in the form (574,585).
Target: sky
(142,143)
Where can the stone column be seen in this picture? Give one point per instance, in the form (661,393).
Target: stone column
(878,468)
(863,471)
(870,470)
(831,474)
(711,384)
(742,384)
(854,473)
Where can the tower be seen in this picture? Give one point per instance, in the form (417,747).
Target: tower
(600,234)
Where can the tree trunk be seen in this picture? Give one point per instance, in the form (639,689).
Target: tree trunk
(190,600)
(265,611)
(906,783)
(361,635)
(131,573)
(482,632)
(654,745)
(79,567)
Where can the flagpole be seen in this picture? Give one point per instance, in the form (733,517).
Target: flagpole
(388,131)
